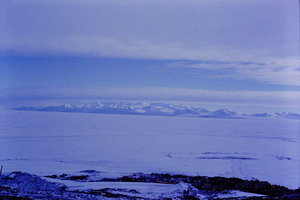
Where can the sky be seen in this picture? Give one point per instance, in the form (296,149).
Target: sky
(229,49)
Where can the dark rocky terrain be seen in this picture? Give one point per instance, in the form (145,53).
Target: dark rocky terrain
(18,185)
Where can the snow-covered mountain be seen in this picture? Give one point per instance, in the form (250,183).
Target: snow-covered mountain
(156,109)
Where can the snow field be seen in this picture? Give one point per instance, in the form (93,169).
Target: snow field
(46,143)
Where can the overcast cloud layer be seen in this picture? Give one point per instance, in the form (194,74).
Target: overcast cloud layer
(263,34)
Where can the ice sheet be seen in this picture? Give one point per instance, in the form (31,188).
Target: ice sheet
(46,143)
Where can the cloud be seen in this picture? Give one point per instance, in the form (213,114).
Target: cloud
(263,34)
(244,97)
(274,71)
(197,30)
(100,46)
(234,64)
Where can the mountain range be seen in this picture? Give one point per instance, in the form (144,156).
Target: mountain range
(155,109)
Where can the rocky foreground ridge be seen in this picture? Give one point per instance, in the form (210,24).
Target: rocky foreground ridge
(18,185)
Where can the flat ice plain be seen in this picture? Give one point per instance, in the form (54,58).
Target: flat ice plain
(46,143)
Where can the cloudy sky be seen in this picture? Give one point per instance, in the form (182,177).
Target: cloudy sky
(229,49)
